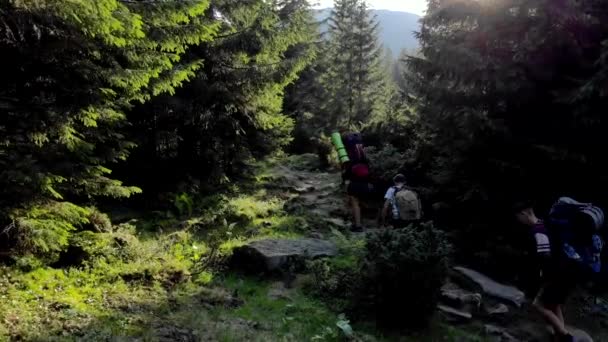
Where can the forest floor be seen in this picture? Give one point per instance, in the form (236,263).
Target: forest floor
(144,280)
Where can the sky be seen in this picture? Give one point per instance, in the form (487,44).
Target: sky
(412,6)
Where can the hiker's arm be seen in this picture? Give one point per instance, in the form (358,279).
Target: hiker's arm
(387,205)
(345,173)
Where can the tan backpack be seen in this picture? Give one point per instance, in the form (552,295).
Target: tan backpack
(408,204)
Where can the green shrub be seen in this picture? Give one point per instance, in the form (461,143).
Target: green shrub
(44,230)
(98,221)
(183,203)
(386,162)
(404,270)
(338,280)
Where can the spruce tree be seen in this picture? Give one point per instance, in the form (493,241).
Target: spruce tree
(72,68)
(233,109)
(354,68)
(509,100)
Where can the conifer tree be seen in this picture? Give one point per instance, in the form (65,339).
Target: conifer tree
(233,108)
(354,67)
(509,104)
(71,70)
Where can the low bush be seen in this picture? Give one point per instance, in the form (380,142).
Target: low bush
(404,270)
(395,276)
(338,280)
(386,162)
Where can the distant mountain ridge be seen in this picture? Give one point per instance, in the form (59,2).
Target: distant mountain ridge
(396,28)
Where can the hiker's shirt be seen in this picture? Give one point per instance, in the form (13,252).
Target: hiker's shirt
(544,261)
(390,196)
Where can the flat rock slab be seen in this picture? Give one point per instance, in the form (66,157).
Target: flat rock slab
(278,254)
(454,315)
(492,288)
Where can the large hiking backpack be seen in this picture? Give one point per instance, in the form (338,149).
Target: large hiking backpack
(359,167)
(577,228)
(354,147)
(408,204)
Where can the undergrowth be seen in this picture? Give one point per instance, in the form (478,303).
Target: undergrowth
(115,282)
(162,277)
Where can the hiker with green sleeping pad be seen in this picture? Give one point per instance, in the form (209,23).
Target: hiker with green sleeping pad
(355,172)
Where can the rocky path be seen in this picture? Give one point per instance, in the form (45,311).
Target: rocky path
(498,312)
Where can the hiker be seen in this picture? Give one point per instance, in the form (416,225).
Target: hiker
(356,172)
(403,203)
(562,254)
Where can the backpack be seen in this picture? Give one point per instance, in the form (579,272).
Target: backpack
(577,228)
(359,168)
(407,203)
(354,147)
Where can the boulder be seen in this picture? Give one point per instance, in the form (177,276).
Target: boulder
(280,254)
(492,288)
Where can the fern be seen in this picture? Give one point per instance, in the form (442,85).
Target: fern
(184,204)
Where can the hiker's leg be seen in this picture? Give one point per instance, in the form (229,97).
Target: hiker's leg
(556,322)
(559,313)
(354,202)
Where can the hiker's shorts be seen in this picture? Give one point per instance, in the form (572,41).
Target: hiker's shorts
(360,190)
(560,283)
(555,292)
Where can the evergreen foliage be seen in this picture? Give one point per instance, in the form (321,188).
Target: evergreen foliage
(510,100)
(404,270)
(353,77)
(188,89)
(72,70)
(232,109)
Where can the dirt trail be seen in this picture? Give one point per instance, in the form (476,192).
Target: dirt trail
(321,196)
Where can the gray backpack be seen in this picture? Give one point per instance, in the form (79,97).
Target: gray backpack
(408,204)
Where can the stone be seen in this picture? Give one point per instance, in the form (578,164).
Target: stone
(454,315)
(579,335)
(492,288)
(303,189)
(337,222)
(496,310)
(279,254)
(455,296)
(316,235)
(499,332)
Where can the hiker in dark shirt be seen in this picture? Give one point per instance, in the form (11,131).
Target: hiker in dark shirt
(356,172)
(358,189)
(554,279)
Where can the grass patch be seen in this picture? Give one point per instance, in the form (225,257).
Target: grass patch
(297,318)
